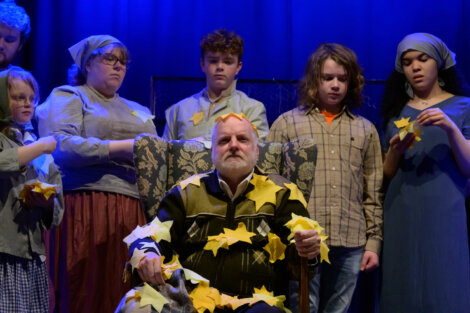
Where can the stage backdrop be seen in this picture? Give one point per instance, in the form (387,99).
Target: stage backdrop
(163,36)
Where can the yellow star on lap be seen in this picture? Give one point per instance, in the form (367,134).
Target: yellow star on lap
(197,117)
(149,295)
(205,297)
(265,191)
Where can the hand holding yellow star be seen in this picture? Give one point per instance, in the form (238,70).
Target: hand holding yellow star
(301,223)
(407,127)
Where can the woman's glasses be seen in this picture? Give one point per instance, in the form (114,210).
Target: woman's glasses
(111,59)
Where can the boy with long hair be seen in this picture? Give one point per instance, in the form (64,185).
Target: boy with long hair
(348,174)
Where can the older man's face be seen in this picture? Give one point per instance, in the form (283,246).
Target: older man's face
(234,148)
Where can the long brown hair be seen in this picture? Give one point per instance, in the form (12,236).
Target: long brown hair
(307,88)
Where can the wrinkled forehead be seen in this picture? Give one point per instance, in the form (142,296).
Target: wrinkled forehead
(233,126)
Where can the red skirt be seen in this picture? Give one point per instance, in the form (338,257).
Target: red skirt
(86,253)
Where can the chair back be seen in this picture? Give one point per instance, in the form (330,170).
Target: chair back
(161,164)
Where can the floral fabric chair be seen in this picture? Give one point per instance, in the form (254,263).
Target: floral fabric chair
(160,164)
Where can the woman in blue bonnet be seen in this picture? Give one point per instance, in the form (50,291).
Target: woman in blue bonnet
(425,253)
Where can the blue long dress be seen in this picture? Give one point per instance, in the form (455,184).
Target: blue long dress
(425,252)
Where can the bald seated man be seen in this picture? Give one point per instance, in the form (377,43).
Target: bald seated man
(204,205)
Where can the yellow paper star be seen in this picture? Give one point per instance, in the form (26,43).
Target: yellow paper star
(240,116)
(268,297)
(137,256)
(264,192)
(39,187)
(402,123)
(193,180)
(295,193)
(156,230)
(240,233)
(142,115)
(227,238)
(275,248)
(301,223)
(170,267)
(205,297)
(148,295)
(197,117)
(215,242)
(132,295)
(409,127)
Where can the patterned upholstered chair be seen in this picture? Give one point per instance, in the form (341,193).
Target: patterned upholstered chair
(160,164)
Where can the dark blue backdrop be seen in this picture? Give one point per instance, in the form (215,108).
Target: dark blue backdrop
(163,36)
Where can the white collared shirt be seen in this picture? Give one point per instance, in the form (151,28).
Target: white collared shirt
(240,188)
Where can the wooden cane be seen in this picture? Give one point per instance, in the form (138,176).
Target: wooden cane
(304,305)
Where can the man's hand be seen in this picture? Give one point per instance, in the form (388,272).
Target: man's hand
(370,261)
(307,243)
(150,269)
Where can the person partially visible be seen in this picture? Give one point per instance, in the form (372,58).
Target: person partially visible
(227,199)
(345,197)
(25,163)
(425,258)
(194,117)
(14,30)
(95,130)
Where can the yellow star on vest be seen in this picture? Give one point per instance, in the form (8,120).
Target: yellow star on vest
(240,233)
(295,193)
(227,238)
(275,248)
(197,117)
(193,180)
(265,191)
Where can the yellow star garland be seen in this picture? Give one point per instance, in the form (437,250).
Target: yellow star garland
(264,192)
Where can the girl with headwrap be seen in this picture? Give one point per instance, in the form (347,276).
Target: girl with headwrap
(425,255)
(95,130)
(24,214)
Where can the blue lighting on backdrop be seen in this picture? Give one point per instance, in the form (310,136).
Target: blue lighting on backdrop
(163,36)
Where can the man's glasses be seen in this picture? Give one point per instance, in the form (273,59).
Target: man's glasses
(111,59)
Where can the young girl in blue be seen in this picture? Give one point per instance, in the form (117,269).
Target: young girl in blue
(24,161)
